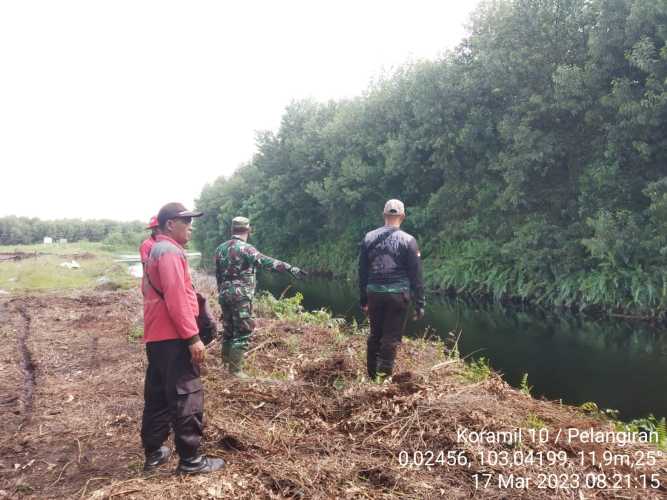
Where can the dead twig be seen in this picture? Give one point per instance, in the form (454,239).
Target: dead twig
(440,365)
(85,486)
(124,492)
(282,295)
(60,475)
(78,443)
(262,345)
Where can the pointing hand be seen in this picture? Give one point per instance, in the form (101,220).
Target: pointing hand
(297,272)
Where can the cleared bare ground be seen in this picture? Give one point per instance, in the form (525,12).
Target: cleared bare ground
(71,384)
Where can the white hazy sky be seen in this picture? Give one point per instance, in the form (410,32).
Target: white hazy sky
(111,109)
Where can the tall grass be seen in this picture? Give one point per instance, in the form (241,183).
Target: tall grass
(479,268)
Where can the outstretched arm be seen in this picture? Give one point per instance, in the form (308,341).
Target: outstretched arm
(269,263)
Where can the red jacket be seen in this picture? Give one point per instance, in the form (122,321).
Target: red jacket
(174,316)
(144,252)
(145,249)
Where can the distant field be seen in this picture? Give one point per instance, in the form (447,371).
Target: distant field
(38,267)
(69,248)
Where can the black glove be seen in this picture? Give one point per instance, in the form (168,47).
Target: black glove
(298,273)
(419,313)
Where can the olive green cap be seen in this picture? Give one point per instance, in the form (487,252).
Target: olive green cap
(240,223)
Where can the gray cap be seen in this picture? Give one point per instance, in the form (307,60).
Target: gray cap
(394,207)
(240,223)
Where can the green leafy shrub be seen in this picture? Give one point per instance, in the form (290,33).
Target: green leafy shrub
(647,424)
(477,370)
(290,308)
(524,387)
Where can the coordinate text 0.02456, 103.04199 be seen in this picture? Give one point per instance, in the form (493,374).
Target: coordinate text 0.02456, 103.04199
(614,468)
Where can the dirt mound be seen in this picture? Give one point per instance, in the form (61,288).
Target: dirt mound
(8,256)
(327,371)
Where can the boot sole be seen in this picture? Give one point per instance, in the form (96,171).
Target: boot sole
(204,470)
(153,468)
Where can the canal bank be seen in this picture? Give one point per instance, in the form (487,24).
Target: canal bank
(616,364)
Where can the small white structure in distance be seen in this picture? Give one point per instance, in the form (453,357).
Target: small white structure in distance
(62,241)
(48,240)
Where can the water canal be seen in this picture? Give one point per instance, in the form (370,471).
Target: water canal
(617,364)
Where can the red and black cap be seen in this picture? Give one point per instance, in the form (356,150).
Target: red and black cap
(175,211)
(153,223)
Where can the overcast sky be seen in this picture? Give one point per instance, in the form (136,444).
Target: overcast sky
(111,109)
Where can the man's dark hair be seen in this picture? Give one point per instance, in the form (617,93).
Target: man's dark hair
(162,226)
(240,230)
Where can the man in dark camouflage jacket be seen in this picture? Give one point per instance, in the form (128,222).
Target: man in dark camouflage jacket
(390,273)
(236,262)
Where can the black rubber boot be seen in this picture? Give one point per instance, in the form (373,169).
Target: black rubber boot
(156,458)
(371,359)
(200,464)
(385,369)
(385,360)
(236,359)
(226,350)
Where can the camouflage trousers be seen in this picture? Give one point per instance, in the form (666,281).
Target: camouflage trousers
(238,324)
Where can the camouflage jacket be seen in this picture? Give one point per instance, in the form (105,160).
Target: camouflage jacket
(236,263)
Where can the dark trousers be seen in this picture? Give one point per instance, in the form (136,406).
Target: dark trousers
(173,398)
(386,312)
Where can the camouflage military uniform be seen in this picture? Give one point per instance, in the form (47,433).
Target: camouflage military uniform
(236,262)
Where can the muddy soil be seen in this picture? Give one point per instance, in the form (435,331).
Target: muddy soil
(13,256)
(308,425)
(71,392)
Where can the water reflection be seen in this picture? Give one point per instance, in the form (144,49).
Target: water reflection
(617,364)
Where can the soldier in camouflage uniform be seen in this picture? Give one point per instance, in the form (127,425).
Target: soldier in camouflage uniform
(236,262)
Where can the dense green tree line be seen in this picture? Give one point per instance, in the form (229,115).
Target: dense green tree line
(532,160)
(26,230)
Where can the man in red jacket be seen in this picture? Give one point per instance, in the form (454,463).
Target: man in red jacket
(173,392)
(147,244)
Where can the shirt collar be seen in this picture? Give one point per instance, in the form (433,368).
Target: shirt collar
(236,237)
(164,237)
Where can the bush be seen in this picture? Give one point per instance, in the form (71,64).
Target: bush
(291,309)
